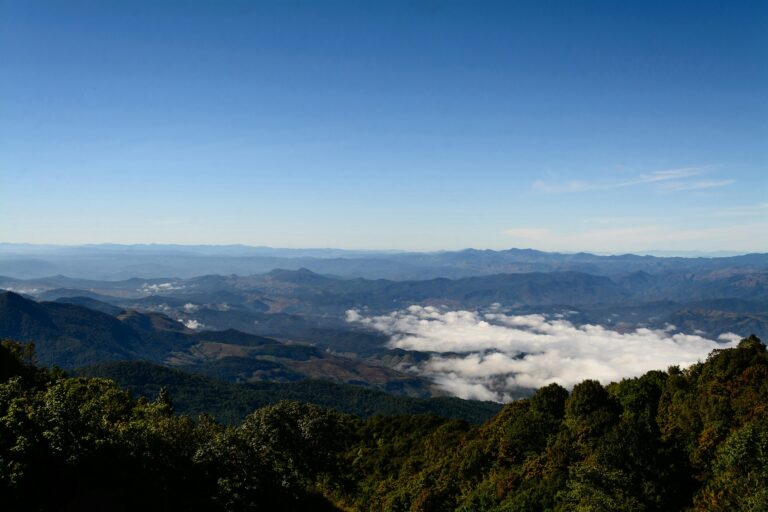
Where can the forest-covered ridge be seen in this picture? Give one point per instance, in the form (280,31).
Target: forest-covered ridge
(681,439)
(230,402)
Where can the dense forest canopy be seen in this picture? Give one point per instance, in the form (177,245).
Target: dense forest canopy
(681,439)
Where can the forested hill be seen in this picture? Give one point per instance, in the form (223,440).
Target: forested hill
(230,402)
(682,439)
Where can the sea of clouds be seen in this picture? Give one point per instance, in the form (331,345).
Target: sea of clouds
(490,355)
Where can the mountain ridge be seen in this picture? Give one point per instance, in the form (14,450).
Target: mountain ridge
(115,262)
(70,336)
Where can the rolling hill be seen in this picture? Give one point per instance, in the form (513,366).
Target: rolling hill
(73,336)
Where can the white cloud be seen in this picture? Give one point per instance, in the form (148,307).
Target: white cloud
(190,308)
(192,324)
(23,290)
(729,336)
(670,175)
(489,355)
(159,288)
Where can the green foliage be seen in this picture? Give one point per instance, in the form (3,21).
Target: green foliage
(279,452)
(740,479)
(693,439)
(595,488)
(231,403)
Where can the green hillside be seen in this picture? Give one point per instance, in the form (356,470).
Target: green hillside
(692,439)
(230,403)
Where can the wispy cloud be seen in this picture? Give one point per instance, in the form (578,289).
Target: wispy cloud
(678,186)
(680,176)
(488,355)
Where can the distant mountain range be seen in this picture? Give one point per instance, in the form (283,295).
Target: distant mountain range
(302,306)
(288,325)
(118,262)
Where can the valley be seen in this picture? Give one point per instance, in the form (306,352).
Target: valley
(288,326)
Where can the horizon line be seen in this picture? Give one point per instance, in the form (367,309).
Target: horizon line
(649,252)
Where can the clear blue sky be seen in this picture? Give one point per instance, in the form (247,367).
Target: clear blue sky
(604,126)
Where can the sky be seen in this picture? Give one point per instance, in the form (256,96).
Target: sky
(421,125)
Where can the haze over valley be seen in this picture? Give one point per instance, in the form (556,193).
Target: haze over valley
(490,325)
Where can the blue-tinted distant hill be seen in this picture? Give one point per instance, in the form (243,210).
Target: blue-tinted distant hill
(307,307)
(116,262)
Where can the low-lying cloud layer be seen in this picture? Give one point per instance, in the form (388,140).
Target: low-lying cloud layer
(152,289)
(489,355)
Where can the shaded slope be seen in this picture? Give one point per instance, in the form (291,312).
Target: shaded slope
(65,334)
(70,336)
(195,394)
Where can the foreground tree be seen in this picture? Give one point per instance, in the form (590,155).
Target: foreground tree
(693,439)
